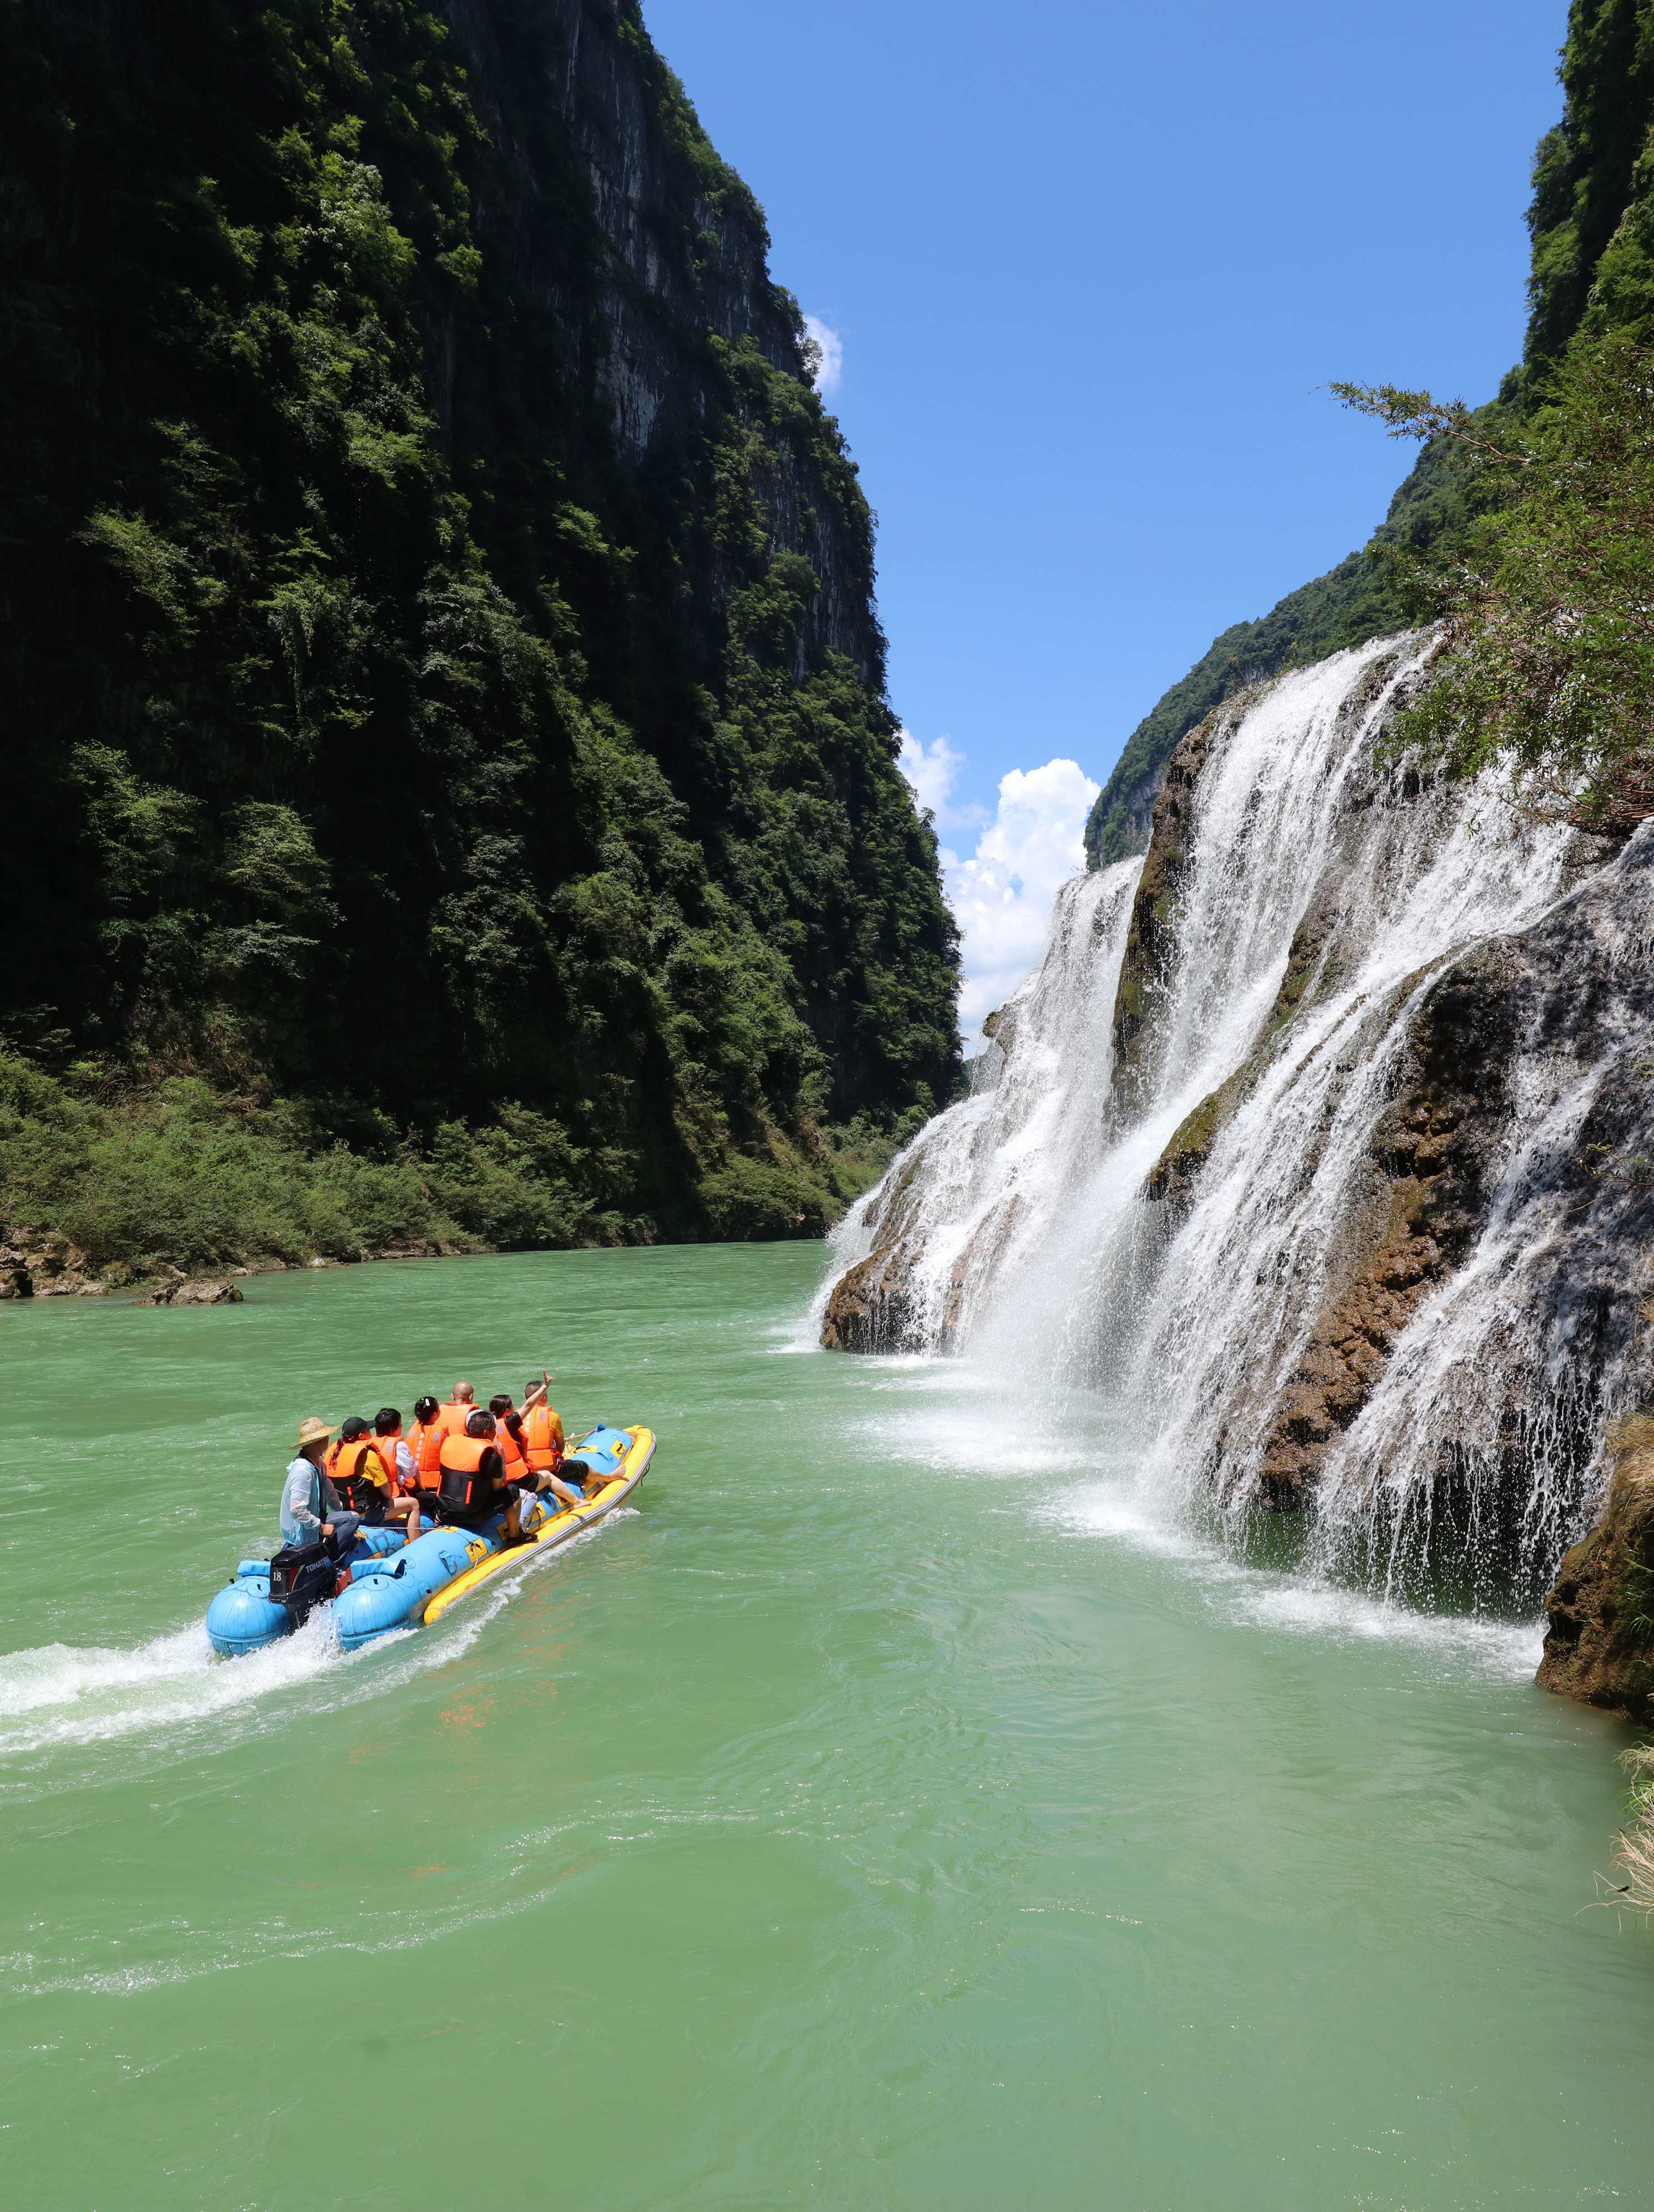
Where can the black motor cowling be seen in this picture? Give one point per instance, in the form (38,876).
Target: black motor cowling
(301,1576)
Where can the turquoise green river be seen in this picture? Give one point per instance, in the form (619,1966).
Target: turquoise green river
(892,1810)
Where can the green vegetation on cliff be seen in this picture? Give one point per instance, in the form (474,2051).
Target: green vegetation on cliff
(444,705)
(1547,656)
(1361,597)
(1445,546)
(1548,643)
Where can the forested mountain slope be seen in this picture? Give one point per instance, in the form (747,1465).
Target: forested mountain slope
(444,697)
(1592,223)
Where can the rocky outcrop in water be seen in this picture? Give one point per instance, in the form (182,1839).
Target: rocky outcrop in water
(869,1308)
(194,1291)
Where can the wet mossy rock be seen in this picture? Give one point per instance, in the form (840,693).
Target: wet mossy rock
(871,1302)
(1599,1646)
(1173,1175)
(1415,1213)
(1151,939)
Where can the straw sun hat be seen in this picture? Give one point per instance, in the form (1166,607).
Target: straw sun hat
(315,1430)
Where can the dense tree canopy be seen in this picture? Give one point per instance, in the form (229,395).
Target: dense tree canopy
(440,672)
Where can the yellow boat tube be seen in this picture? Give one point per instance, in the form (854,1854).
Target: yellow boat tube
(630,1466)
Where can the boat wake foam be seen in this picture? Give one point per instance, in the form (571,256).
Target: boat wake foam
(176,1691)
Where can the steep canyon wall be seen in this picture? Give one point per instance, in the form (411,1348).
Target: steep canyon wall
(443,678)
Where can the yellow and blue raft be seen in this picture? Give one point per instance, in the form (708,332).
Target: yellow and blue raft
(395,1585)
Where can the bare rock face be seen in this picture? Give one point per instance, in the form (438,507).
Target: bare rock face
(1149,947)
(1424,1199)
(867,1311)
(36,1266)
(1599,1647)
(195,1291)
(871,1304)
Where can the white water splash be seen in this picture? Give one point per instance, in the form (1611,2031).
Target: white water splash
(175,1692)
(1017,1224)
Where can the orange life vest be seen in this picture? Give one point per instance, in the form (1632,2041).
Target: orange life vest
(543,1438)
(330,1464)
(511,1452)
(352,1478)
(465,1488)
(424,1442)
(386,1448)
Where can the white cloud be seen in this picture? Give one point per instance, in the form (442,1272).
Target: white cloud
(933,770)
(827,366)
(1001,894)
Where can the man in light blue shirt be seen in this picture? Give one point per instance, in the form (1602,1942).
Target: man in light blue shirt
(309,1509)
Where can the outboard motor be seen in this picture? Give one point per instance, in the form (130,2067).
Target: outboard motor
(302,1578)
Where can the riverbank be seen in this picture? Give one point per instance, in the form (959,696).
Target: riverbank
(106,1183)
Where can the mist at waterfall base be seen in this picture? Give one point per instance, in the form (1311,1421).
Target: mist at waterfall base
(888,1812)
(1025,1244)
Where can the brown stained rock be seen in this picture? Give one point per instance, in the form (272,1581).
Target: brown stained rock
(1150,939)
(33,1265)
(1417,1217)
(869,1309)
(870,1303)
(1599,1647)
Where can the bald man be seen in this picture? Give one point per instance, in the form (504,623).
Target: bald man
(453,1417)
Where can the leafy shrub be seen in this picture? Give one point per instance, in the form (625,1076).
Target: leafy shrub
(1547,598)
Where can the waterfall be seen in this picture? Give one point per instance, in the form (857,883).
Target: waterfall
(1319,1145)
(987,1178)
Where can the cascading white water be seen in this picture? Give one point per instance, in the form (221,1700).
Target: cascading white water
(988,1177)
(1019,1224)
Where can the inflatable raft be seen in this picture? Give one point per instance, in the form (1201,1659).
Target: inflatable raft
(394,1585)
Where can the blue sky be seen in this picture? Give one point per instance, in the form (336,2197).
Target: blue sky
(1088,265)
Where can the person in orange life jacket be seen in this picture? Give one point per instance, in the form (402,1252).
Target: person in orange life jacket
(508,1435)
(474,1485)
(397,1461)
(508,1441)
(512,1437)
(543,1444)
(425,1444)
(357,1472)
(542,1433)
(459,1409)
